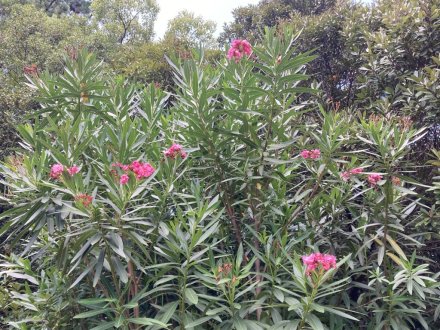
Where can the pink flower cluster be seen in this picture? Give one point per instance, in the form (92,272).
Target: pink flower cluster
(84,199)
(124,179)
(238,49)
(374,178)
(310,154)
(347,174)
(315,260)
(139,169)
(57,170)
(174,151)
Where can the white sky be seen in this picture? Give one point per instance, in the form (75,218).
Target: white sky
(219,11)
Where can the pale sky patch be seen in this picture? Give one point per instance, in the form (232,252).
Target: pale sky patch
(219,11)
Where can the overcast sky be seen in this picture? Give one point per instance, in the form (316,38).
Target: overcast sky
(217,10)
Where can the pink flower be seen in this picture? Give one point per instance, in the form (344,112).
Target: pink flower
(315,260)
(174,151)
(396,181)
(312,154)
(124,179)
(328,261)
(141,170)
(305,154)
(234,53)
(345,176)
(315,153)
(73,170)
(374,178)
(84,199)
(56,170)
(357,170)
(122,166)
(238,49)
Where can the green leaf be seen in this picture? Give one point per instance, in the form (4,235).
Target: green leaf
(146,321)
(104,326)
(191,295)
(98,268)
(88,314)
(168,311)
(396,247)
(340,313)
(314,322)
(198,322)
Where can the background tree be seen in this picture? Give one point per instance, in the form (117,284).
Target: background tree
(32,42)
(125,21)
(190,31)
(56,7)
(249,20)
(64,6)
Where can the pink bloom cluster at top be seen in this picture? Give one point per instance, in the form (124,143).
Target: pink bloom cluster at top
(139,169)
(84,199)
(314,260)
(174,151)
(374,178)
(347,174)
(124,179)
(73,170)
(57,170)
(238,49)
(310,154)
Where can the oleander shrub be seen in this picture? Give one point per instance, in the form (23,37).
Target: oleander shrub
(237,203)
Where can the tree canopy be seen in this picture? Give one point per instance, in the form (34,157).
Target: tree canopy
(190,30)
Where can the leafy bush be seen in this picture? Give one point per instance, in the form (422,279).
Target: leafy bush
(130,212)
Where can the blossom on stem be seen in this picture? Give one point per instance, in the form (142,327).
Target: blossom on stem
(141,170)
(121,166)
(124,179)
(374,178)
(315,153)
(304,154)
(84,199)
(310,154)
(316,260)
(238,49)
(73,170)
(357,170)
(174,151)
(346,175)
(56,170)
(396,181)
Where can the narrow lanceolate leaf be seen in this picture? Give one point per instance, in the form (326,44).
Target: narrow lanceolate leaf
(168,311)
(146,321)
(396,247)
(198,322)
(314,322)
(191,295)
(340,313)
(88,314)
(21,276)
(83,274)
(104,326)
(120,269)
(98,268)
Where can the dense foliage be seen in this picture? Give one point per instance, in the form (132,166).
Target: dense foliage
(290,181)
(378,58)
(243,204)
